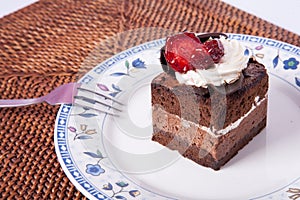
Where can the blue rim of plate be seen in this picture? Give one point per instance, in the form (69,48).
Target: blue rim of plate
(62,147)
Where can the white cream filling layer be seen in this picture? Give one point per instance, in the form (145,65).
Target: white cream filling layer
(230,127)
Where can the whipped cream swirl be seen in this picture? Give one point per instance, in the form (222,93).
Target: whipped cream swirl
(228,70)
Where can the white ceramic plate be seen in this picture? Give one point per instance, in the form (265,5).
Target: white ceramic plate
(114,158)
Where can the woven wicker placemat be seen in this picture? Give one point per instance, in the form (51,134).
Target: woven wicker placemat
(56,41)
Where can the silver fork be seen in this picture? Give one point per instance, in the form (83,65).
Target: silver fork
(69,94)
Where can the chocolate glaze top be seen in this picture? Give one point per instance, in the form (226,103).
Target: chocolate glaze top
(250,71)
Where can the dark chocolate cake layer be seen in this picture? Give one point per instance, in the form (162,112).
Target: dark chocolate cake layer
(215,107)
(201,146)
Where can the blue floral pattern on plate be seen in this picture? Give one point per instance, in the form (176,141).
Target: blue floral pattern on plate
(90,170)
(290,63)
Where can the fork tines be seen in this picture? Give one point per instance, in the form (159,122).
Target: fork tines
(97,101)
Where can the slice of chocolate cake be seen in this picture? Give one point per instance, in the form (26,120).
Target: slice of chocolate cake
(208,108)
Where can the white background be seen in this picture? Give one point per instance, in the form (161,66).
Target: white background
(284,13)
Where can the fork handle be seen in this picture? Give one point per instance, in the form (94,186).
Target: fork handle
(19,102)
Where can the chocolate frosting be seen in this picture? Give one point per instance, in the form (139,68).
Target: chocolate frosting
(250,71)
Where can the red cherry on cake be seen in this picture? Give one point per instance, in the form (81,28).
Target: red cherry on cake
(215,49)
(185,52)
